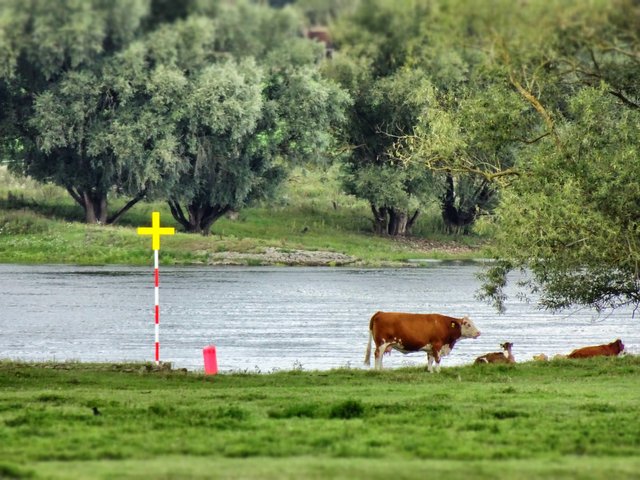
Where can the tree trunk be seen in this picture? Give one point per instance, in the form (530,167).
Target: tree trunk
(397,223)
(449,210)
(460,213)
(412,221)
(201,216)
(393,222)
(94,204)
(380,220)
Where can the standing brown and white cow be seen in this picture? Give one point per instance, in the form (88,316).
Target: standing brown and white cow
(412,332)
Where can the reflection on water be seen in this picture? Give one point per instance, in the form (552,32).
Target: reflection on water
(266,318)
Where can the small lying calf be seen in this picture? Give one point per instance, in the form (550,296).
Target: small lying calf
(498,357)
(609,350)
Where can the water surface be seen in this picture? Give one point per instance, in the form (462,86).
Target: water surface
(264,318)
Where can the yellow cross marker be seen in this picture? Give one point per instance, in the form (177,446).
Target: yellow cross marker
(155,230)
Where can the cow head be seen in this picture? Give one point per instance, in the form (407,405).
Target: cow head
(506,346)
(469,330)
(618,345)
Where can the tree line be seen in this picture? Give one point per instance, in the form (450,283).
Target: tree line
(522,115)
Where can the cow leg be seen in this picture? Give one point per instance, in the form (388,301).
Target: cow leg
(380,349)
(429,362)
(435,353)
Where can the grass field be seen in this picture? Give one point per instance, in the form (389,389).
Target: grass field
(560,419)
(40,223)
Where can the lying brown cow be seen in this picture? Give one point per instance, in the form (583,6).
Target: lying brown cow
(412,332)
(498,357)
(610,350)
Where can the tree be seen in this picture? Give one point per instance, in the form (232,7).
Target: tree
(568,209)
(373,43)
(252,102)
(572,221)
(384,108)
(61,106)
(418,91)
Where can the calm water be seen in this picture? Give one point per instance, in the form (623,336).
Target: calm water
(264,319)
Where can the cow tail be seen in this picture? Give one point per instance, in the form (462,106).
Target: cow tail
(367,355)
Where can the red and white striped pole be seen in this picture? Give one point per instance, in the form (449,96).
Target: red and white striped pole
(155,231)
(157,295)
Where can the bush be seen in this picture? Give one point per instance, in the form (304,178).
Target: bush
(347,409)
(22,222)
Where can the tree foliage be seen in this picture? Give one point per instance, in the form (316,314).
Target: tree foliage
(387,102)
(201,103)
(564,157)
(257,104)
(417,94)
(573,220)
(57,101)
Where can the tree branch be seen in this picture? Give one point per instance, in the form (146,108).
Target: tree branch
(529,142)
(624,99)
(75,195)
(115,217)
(537,105)
(178,214)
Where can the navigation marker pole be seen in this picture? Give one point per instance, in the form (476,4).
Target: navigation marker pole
(155,231)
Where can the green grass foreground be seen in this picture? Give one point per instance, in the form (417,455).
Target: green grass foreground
(561,419)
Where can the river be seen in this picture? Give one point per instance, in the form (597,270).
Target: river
(264,319)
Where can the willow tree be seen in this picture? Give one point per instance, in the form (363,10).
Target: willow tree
(572,222)
(558,112)
(384,109)
(374,44)
(570,218)
(421,69)
(56,102)
(251,100)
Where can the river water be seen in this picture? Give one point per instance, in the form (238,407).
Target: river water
(264,319)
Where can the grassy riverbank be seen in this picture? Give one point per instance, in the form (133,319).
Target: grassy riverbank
(562,419)
(309,223)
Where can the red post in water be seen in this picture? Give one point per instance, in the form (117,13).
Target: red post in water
(210,360)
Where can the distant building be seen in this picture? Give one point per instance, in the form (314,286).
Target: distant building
(321,34)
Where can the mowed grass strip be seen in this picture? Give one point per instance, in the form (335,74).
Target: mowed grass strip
(561,419)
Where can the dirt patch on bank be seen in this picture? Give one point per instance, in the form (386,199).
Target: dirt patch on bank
(286,256)
(281,256)
(430,246)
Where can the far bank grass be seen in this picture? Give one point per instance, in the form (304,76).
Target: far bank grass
(40,224)
(561,419)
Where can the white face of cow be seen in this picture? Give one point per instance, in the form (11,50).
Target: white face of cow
(468,329)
